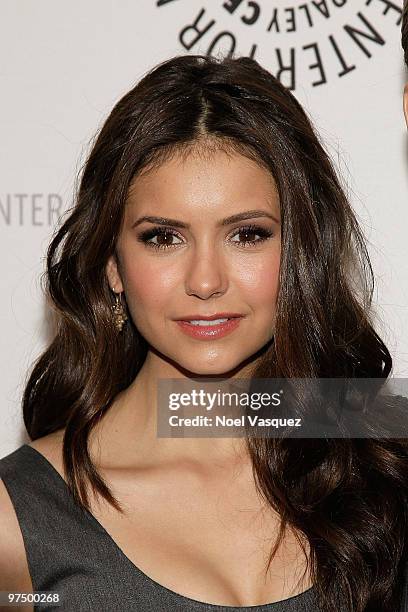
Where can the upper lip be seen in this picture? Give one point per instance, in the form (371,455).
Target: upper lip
(218,315)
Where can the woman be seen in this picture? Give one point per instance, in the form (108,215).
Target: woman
(206,194)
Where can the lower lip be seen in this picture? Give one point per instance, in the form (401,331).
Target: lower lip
(209,332)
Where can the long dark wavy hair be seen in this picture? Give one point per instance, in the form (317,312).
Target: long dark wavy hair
(347,497)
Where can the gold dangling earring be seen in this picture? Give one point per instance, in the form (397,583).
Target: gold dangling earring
(118,310)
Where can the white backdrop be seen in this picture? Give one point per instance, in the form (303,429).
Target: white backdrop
(65,64)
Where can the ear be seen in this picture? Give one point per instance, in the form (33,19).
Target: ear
(406,103)
(113,275)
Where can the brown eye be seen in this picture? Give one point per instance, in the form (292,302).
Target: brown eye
(164,238)
(249,234)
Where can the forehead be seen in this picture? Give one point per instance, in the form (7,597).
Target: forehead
(203,183)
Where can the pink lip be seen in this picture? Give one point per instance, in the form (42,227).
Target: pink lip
(218,315)
(209,332)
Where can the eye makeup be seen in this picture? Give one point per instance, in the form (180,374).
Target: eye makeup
(165,233)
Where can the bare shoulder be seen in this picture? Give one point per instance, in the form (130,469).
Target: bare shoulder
(14,571)
(50,446)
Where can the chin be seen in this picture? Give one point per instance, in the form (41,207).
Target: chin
(217,368)
(211,363)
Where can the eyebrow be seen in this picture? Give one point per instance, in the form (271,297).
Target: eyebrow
(249,214)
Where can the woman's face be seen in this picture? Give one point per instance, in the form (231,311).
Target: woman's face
(204,265)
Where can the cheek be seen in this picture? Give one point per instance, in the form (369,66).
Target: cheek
(149,284)
(259,279)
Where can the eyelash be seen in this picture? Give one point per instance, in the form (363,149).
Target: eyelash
(155,231)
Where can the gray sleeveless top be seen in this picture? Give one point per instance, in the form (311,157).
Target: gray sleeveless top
(70,553)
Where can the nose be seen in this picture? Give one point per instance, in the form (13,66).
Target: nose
(206,274)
